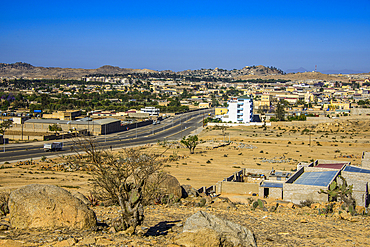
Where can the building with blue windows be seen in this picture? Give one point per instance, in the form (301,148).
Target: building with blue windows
(239,110)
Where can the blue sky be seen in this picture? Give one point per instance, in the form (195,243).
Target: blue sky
(180,35)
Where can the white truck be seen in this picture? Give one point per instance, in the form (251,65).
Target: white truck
(55,146)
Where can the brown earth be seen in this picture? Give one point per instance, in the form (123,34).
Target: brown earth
(284,227)
(344,140)
(29,71)
(299,76)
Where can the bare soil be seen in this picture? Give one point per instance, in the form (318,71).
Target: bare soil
(251,147)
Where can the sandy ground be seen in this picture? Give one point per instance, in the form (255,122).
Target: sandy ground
(281,148)
(251,147)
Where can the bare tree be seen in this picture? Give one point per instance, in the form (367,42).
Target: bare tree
(121,177)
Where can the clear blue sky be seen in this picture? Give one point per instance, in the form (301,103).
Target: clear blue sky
(180,35)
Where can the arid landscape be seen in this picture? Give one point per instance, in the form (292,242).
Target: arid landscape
(279,146)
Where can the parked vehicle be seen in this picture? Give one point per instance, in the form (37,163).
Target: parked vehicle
(55,146)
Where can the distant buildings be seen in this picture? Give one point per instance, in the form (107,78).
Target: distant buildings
(239,110)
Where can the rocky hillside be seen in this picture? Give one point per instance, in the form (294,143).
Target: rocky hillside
(259,70)
(29,71)
(26,70)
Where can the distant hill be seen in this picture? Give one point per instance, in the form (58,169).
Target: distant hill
(29,71)
(26,70)
(259,70)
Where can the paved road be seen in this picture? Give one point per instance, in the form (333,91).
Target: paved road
(173,128)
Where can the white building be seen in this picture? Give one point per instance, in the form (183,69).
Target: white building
(239,110)
(151,110)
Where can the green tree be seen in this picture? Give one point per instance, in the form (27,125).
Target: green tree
(190,142)
(280,112)
(6,124)
(55,127)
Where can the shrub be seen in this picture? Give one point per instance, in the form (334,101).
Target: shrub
(306,203)
(122,178)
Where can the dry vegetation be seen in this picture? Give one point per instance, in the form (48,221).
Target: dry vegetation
(281,147)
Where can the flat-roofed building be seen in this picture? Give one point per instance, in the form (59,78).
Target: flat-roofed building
(63,115)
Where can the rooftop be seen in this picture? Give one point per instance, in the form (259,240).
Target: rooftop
(356,169)
(338,166)
(316,178)
(273,184)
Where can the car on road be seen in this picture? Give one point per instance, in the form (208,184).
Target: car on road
(55,146)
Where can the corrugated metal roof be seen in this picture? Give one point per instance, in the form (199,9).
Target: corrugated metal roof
(356,169)
(316,178)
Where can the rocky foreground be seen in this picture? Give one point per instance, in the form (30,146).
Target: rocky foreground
(282,224)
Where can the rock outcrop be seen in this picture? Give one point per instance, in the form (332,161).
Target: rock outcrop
(48,206)
(203,229)
(167,184)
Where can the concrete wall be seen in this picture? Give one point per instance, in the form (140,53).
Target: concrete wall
(295,175)
(237,124)
(358,111)
(257,171)
(365,162)
(297,193)
(274,193)
(360,182)
(237,188)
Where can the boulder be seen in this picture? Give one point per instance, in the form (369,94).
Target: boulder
(204,237)
(167,183)
(82,197)
(189,191)
(219,232)
(48,206)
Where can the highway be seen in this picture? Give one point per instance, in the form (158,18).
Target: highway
(173,128)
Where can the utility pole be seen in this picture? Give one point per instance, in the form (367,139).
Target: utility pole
(203,119)
(22,127)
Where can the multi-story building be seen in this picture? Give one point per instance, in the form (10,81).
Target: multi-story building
(239,110)
(151,110)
